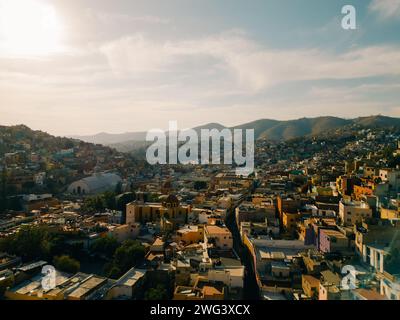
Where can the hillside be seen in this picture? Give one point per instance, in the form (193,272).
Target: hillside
(286,130)
(377,121)
(264,129)
(111,138)
(13,138)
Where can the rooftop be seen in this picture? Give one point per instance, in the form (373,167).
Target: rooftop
(131,277)
(188,228)
(84,288)
(217,230)
(369,294)
(333,233)
(312,280)
(329,277)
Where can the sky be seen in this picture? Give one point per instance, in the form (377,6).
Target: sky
(77,67)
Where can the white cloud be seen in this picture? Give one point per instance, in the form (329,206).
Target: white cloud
(386,8)
(226,78)
(253,67)
(126,18)
(134,54)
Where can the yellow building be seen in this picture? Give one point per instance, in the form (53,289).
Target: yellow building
(32,289)
(390,213)
(324,191)
(290,220)
(78,287)
(190,234)
(169,209)
(86,287)
(310,286)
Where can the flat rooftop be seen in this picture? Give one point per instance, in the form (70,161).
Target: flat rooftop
(218,230)
(86,287)
(333,233)
(131,277)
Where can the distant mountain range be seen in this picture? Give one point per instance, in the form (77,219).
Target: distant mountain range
(264,129)
(116,138)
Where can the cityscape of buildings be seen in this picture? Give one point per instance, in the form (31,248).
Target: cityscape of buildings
(319,219)
(199,158)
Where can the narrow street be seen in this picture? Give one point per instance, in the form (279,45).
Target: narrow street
(251,290)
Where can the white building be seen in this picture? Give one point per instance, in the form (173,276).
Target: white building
(95,184)
(231,277)
(374,255)
(127,285)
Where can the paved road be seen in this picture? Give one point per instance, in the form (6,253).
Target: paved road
(251,290)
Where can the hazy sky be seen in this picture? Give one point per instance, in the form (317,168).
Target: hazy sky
(87,66)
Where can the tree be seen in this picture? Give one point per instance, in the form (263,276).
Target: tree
(112,271)
(3,191)
(4,284)
(100,202)
(30,243)
(392,261)
(393,162)
(109,200)
(123,199)
(118,188)
(129,255)
(198,185)
(14,203)
(93,204)
(105,246)
(67,264)
(28,186)
(57,246)
(157,293)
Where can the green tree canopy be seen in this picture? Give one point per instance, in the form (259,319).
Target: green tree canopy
(67,264)
(392,261)
(199,184)
(100,202)
(128,255)
(123,199)
(30,243)
(105,246)
(157,293)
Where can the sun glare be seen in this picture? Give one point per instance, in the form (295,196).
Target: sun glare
(29,27)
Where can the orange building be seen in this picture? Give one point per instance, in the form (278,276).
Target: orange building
(360,191)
